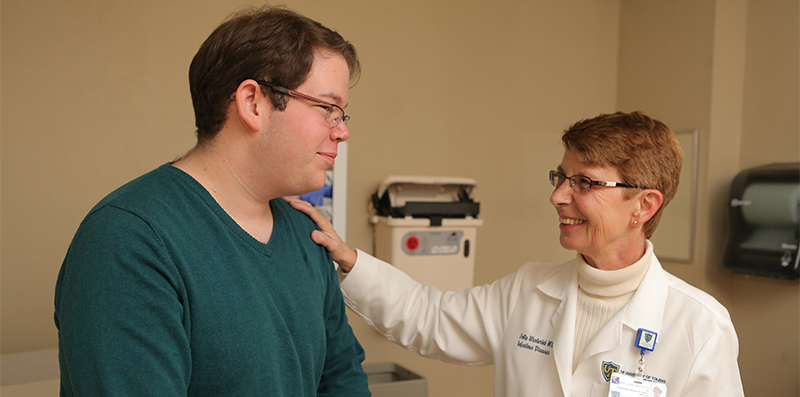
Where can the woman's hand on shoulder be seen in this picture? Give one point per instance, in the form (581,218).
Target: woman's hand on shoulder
(326,236)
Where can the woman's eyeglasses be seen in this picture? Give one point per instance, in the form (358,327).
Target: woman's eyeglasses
(583,184)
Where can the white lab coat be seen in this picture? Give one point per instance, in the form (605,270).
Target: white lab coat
(524,324)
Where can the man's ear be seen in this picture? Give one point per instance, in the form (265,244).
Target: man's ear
(250,105)
(650,200)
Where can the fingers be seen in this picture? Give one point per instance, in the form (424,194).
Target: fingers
(340,252)
(323,239)
(306,208)
(298,204)
(326,236)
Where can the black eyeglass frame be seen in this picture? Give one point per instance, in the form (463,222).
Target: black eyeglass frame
(577,186)
(328,106)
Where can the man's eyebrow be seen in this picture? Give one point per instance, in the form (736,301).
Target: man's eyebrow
(336,99)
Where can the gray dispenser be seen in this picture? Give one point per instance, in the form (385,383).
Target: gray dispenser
(764,225)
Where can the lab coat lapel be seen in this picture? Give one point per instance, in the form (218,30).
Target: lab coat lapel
(646,308)
(609,337)
(563,286)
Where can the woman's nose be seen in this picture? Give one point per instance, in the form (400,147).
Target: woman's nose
(562,194)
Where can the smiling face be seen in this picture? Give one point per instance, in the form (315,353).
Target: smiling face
(656,392)
(598,223)
(299,145)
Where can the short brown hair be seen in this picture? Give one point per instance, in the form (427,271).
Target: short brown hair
(269,43)
(644,151)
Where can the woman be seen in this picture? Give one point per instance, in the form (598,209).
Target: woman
(610,316)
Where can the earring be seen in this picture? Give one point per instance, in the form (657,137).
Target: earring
(635,222)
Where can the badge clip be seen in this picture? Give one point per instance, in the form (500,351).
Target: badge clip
(646,341)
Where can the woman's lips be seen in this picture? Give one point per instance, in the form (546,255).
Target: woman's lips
(571,221)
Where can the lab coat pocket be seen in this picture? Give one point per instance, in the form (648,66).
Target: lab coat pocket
(599,390)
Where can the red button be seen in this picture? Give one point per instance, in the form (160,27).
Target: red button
(412,243)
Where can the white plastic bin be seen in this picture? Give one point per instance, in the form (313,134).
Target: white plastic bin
(392,380)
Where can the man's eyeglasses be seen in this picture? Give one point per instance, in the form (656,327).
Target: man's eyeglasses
(583,184)
(334,113)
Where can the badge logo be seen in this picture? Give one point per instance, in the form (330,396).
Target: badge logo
(646,340)
(609,369)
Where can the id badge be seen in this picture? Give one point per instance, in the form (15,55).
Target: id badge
(629,386)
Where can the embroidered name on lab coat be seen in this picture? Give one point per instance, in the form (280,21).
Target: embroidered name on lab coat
(541,346)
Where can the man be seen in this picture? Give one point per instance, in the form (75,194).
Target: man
(177,283)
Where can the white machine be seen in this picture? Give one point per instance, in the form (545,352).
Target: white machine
(427,227)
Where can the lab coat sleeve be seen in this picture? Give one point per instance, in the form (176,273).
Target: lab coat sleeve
(462,327)
(715,371)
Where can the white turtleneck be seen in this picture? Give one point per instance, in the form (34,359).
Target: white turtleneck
(601,294)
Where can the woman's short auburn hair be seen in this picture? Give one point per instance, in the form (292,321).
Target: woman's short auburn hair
(644,151)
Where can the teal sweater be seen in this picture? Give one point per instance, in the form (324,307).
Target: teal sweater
(161,293)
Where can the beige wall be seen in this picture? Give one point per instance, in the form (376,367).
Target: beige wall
(730,69)
(770,133)
(94,93)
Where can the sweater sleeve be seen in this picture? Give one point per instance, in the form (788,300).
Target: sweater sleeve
(342,375)
(119,312)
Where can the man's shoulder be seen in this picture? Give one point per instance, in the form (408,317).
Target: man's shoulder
(141,190)
(295,218)
(156,197)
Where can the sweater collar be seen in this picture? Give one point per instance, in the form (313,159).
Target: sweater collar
(613,283)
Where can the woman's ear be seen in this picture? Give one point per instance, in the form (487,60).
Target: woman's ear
(650,200)
(250,105)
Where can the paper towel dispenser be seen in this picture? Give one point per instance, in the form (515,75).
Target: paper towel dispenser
(764,227)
